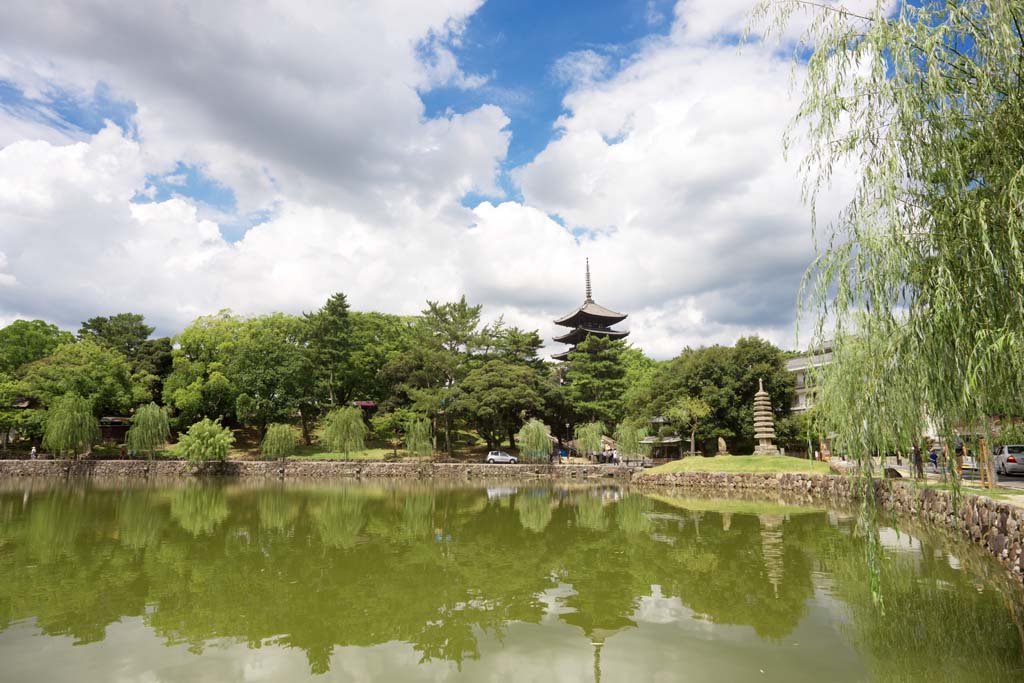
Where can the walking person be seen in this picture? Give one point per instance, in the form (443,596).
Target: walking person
(32,453)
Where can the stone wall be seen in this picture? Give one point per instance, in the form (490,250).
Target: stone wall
(996,526)
(308,469)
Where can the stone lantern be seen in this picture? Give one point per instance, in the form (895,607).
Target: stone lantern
(764,423)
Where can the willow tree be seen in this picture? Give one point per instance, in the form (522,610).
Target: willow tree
(920,278)
(344,431)
(279,441)
(629,440)
(417,437)
(925,264)
(70,426)
(534,441)
(589,437)
(150,429)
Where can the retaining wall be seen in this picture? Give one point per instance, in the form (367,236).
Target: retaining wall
(996,526)
(308,469)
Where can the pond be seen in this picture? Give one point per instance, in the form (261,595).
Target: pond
(236,581)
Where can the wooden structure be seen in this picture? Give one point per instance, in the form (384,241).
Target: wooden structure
(589,319)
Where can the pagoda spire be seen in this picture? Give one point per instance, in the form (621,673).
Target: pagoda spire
(590,296)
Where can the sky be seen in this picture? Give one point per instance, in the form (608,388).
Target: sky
(173,159)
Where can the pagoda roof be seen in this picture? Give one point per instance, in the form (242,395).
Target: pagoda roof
(578,334)
(590,312)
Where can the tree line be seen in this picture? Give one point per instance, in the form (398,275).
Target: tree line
(436,380)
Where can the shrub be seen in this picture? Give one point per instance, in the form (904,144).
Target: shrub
(206,441)
(417,437)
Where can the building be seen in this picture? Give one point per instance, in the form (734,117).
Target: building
(590,318)
(804,381)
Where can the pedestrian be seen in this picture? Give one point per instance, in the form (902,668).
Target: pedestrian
(32,453)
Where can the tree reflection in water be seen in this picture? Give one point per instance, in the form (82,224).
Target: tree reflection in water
(318,568)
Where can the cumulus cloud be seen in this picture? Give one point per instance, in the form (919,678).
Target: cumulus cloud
(668,173)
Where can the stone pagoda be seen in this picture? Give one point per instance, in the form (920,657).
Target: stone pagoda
(590,318)
(764,423)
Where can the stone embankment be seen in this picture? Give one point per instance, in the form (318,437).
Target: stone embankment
(996,526)
(308,469)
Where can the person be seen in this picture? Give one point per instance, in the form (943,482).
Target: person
(32,454)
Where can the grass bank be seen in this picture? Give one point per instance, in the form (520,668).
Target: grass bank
(742,463)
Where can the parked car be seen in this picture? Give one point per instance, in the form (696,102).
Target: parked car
(501,457)
(1009,459)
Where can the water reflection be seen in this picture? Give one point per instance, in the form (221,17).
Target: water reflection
(456,573)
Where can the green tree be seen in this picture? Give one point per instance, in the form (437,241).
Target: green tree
(98,374)
(596,377)
(443,341)
(280,441)
(70,426)
(924,263)
(330,342)
(494,396)
(271,367)
(344,430)
(24,341)
(588,437)
(150,429)
(417,437)
(198,385)
(206,441)
(628,440)
(535,441)
(124,333)
(688,413)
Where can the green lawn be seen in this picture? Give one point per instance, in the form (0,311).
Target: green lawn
(742,463)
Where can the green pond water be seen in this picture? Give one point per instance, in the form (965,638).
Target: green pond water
(358,582)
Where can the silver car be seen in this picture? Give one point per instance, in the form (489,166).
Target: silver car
(501,457)
(1009,459)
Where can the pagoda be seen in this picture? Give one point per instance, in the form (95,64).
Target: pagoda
(764,423)
(590,318)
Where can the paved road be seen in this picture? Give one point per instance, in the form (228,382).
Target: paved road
(1015,481)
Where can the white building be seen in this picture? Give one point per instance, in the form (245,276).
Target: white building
(804,394)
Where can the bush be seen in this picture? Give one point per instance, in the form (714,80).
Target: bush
(280,441)
(206,441)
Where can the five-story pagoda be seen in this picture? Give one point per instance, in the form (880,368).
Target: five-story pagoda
(590,318)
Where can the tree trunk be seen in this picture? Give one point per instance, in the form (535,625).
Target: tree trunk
(306,437)
(511,439)
(693,436)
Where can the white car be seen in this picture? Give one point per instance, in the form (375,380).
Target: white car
(501,457)
(1009,459)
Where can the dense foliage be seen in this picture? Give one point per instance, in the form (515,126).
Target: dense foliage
(534,441)
(443,378)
